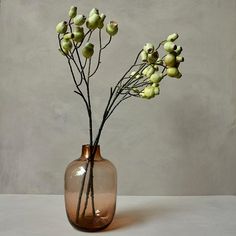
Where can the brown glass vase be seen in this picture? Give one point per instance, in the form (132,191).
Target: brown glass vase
(90,191)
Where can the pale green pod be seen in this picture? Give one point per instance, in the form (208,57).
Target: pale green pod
(156,77)
(157,90)
(61,27)
(66,45)
(172,71)
(143,56)
(170,46)
(170,60)
(172,37)
(94,11)
(152,58)
(155,84)
(72,12)
(179,59)
(144,72)
(88,50)
(101,21)
(148,48)
(92,21)
(79,20)
(78,36)
(68,36)
(112,28)
(178,50)
(79,29)
(150,71)
(149,92)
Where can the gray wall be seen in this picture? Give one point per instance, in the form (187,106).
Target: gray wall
(182,143)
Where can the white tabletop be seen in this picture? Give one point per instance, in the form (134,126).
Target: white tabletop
(44,215)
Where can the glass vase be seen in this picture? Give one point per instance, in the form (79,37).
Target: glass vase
(90,191)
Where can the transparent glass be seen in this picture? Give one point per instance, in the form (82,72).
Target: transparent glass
(90,202)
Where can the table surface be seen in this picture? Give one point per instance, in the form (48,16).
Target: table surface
(44,215)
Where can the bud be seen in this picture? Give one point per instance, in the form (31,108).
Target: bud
(179,59)
(172,37)
(178,50)
(66,45)
(149,92)
(61,27)
(172,72)
(112,28)
(156,77)
(170,60)
(92,21)
(79,20)
(72,12)
(150,71)
(68,36)
(88,50)
(78,36)
(143,56)
(94,11)
(152,58)
(148,48)
(169,46)
(101,21)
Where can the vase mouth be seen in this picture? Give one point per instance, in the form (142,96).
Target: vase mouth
(86,151)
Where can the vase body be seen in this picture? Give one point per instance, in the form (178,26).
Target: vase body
(90,191)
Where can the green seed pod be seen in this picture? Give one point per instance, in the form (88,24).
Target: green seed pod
(150,71)
(79,20)
(61,27)
(66,45)
(88,50)
(170,60)
(79,29)
(92,21)
(144,72)
(172,71)
(112,28)
(143,56)
(172,37)
(94,11)
(142,95)
(72,12)
(148,48)
(156,77)
(152,58)
(101,21)
(179,59)
(138,76)
(68,36)
(78,36)
(169,46)
(149,92)
(157,90)
(178,50)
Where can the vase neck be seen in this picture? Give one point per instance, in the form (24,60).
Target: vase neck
(87,150)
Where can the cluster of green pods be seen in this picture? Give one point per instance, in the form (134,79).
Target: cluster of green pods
(151,74)
(79,22)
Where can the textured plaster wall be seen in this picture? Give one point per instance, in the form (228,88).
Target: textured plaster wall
(182,143)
